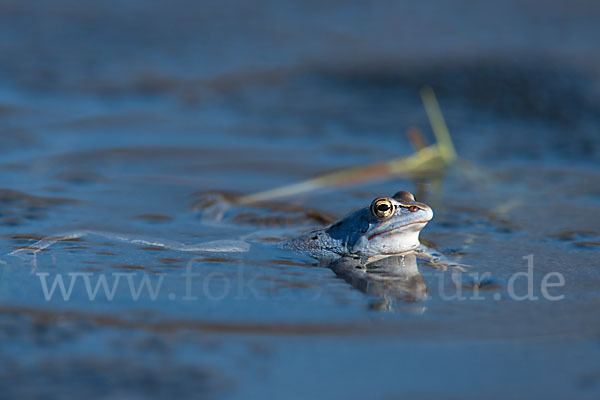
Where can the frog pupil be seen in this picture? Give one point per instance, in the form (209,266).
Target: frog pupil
(383,207)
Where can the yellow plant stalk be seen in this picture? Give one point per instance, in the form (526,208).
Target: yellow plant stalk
(431,158)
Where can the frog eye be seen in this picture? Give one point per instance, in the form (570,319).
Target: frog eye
(404,196)
(382,208)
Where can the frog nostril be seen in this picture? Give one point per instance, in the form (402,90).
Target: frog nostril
(413,208)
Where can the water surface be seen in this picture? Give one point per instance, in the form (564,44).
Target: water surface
(128,126)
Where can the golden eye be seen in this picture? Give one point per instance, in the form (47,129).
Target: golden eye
(382,208)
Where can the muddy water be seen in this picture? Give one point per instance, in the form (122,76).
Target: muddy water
(136,120)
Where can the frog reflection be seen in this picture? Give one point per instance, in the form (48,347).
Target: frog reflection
(388,281)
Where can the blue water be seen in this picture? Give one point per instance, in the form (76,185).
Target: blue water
(125,118)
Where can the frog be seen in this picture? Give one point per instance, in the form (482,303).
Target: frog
(388,226)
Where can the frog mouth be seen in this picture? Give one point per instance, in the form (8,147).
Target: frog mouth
(395,229)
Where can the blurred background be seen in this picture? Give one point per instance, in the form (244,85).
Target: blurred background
(122,115)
